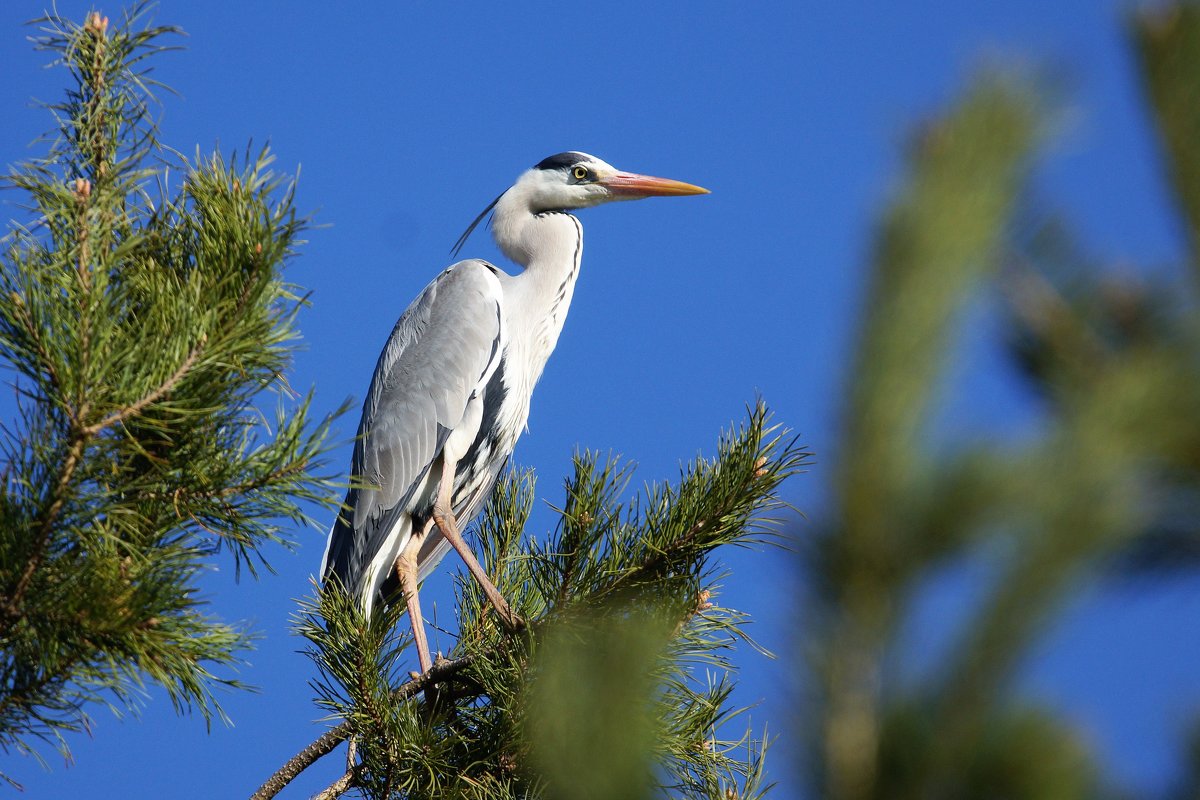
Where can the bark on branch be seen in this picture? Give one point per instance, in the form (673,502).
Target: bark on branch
(338,787)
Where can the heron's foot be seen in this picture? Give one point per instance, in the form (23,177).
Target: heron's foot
(439,660)
(511,620)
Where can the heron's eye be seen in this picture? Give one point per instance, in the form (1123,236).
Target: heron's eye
(580,173)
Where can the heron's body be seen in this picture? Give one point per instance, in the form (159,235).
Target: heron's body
(473,323)
(451,391)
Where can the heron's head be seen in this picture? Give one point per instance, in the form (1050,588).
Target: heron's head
(577,180)
(565,182)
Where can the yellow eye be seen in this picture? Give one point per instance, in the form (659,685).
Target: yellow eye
(580,173)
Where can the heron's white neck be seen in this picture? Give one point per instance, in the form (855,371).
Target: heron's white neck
(549,246)
(529,234)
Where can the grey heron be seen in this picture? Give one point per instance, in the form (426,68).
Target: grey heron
(451,390)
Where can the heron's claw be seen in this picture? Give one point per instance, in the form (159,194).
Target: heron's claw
(512,621)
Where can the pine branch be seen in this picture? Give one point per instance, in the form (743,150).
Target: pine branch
(648,561)
(327,742)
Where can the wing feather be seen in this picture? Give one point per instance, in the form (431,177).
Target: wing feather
(438,356)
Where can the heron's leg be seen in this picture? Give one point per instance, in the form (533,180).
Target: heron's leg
(443,515)
(406,571)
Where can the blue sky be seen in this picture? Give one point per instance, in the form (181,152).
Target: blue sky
(405,120)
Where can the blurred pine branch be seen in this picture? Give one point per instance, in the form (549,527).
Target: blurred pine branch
(1108,479)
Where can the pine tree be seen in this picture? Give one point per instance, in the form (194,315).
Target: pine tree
(148,326)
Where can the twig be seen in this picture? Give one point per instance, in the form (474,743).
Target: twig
(227,491)
(338,787)
(328,741)
(139,406)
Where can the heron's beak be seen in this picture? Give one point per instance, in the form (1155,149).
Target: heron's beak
(631,186)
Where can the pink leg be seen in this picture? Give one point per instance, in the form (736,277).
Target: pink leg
(406,571)
(443,515)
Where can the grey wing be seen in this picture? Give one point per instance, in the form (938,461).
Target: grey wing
(442,351)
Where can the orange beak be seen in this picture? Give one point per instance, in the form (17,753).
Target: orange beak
(629,185)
